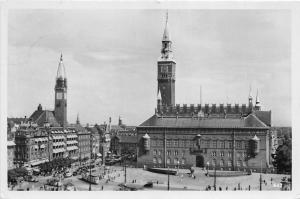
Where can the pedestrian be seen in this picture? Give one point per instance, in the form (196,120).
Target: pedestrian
(226,188)
(271,180)
(249,187)
(102,188)
(220,189)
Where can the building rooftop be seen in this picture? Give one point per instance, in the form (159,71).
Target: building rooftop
(44,116)
(250,121)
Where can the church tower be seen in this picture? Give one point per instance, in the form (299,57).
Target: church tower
(166,70)
(60,110)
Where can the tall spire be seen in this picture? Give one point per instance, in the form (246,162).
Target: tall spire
(61,72)
(166,31)
(250,90)
(200,94)
(166,50)
(120,120)
(250,102)
(77,120)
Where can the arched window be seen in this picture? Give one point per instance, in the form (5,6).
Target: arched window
(154,152)
(176,161)
(214,162)
(154,160)
(168,160)
(182,161)
(222,163)
(159,160)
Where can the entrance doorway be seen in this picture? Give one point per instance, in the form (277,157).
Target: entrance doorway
(199,161)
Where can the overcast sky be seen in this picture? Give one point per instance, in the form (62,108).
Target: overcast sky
(111,60)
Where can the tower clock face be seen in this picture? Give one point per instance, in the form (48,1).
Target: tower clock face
(164,69)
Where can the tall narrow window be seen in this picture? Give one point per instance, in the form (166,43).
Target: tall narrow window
(222,163)
(168,161)
(154,160)
(182,161)
(222,144)
(222,153)
(154,152)
(159,160)
(214,143)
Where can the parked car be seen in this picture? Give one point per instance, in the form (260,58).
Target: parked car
(30,179)
(68,174)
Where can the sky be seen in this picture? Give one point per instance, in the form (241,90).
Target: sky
(111,57)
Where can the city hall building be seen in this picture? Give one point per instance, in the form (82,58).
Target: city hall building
(224,136)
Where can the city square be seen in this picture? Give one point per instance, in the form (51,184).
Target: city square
(182,181)
(112,123)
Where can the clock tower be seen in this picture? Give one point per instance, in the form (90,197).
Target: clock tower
(60,110)
(166,66)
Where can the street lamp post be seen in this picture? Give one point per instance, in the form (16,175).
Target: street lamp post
(260,177)
(168,179)
(207,167)
(125,172)
(215,179)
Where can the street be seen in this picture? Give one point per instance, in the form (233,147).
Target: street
(137,176)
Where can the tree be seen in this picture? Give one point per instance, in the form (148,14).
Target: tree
(283,156)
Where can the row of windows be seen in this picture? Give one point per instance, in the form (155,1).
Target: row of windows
(172,143)
(70,139)
(80,143)
(84,149)
(84,136)
(58,147)
(71,144)
(42,142)
(58,140)
(222,154)
(213,153)
(175,161)
(38,155)
(169,153)
(204,143)
(222,163)
(55,155)
(185,133)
